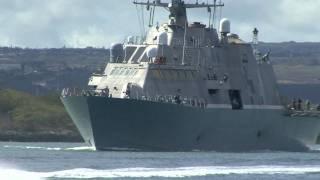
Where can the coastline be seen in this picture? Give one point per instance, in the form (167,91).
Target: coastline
(15,136)
(28,118)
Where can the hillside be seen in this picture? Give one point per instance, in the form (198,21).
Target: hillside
(40,71)
(26,117)
(295,63)
(293,52)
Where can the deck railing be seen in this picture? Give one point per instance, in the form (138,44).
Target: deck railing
(171,99)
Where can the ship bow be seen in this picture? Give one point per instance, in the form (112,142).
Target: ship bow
(77,108)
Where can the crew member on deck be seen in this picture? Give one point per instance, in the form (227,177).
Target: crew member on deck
(308,105)
(299,104)
(294,104)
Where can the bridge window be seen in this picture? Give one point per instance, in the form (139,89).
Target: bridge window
(135,72)
(131,72)
(127,72)
(115,71)
(122,71)
(112,72)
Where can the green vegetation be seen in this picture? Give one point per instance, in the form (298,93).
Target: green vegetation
(297,74)
(22,113)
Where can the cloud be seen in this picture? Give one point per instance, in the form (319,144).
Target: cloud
(98,23)
(77,23)
(278,20)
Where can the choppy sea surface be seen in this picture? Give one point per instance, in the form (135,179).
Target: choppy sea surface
(77,161)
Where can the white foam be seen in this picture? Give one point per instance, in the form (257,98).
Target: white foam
(35,147)
(314,148)
(163,172)
(182,172)
(82,148)
(13,174)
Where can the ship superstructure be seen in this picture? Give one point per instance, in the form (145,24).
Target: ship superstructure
(191,61)
(187,86)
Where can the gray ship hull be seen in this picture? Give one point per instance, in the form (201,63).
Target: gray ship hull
(125,124)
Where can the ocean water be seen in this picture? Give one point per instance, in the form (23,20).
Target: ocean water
(23,161)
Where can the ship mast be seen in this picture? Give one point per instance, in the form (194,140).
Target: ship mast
(177,9)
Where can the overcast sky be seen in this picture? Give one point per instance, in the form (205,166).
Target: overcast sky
(81,23)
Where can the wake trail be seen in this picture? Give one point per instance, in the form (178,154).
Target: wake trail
(161,172)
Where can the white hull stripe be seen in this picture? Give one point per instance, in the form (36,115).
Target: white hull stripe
(263,107)
(219,106)
(228,106)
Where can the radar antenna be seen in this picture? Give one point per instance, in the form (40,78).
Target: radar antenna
(255,40)
(177,9)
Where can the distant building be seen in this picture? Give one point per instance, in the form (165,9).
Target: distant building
(10,66)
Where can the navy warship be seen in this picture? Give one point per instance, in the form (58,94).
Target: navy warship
(188,86)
